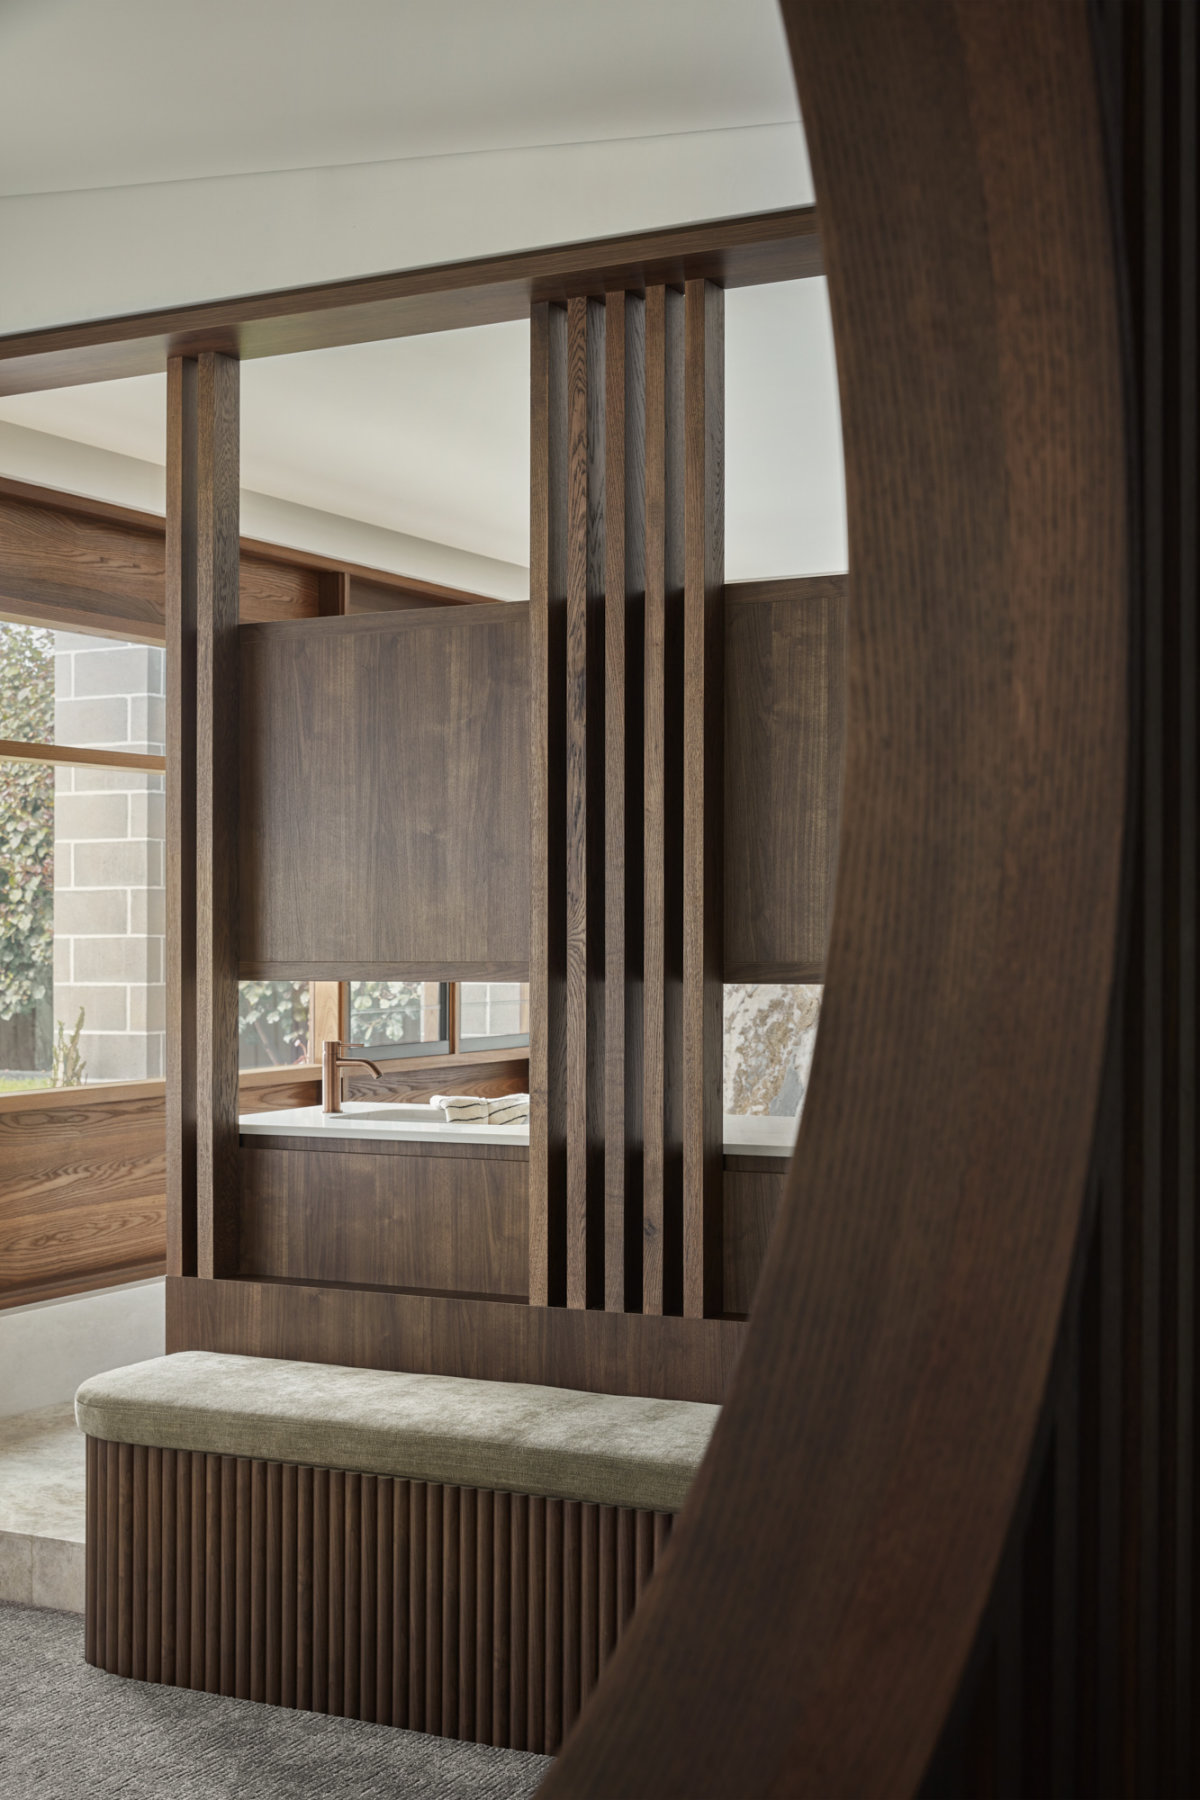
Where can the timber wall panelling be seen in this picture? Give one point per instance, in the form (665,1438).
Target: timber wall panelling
(384,810)
(626,800)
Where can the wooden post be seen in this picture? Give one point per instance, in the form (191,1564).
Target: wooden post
(202,771)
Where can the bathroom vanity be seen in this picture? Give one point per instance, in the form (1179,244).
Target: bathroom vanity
(394,1197)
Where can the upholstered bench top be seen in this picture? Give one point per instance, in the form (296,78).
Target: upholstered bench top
(608,1448)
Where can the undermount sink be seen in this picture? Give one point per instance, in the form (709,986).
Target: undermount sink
(399,1113)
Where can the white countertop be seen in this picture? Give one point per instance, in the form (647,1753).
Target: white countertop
(744,1136)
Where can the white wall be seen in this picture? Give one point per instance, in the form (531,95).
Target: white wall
(47,1349)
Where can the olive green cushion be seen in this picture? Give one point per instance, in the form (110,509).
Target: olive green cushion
(608,1448)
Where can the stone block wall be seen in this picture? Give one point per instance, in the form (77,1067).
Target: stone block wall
(109,859)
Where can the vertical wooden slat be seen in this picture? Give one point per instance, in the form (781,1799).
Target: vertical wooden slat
(451,1571)
(154,1552)
(181,815)
(273,1595)
(547,947)
(384,1600)
(484,1613)
(433,1607)
(228,1576)
(124,1607)
(662,803)
(552,1533)
(401,1580)
(590,1604)
(112,1552)
(92,1542)
(368,1589)
(608,1584)
(626,1524)
(217,1166)
(583,846)
(624,586)
(335,1636)
(535,1624)
(305,1587)
(502,1622)
(289,1583)
(518,1622)
(468,1610)
(170,1567)
(240,1548)
(703,794)
(138,1568)
(214,1562)
(571,1625)
(199,1541)
(417,1551)
(643,1566)
(351,1595)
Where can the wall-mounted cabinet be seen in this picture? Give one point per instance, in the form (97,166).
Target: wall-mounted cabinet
(384,807)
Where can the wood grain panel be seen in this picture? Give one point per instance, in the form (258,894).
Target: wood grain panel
(583,848)
(82,1196)
(624,624)
(750,1203)
(601,1352)
(182,1070)
(785,727)
(436,1633)
(443,1223)
(703,792)
(738,252)
(547,805)
(406,734)
(662,1116)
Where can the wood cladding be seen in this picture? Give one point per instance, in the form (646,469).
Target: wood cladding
(462,1612)
(556,1346)
(750,1202)
(78,564)
(626,710)
(446,1224)
(737,252)
(785,713)
(82,1194)
(405,735)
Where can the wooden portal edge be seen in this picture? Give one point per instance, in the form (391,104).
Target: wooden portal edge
(655,1356)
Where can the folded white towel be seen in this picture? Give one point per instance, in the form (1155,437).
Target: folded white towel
(509,1109)
(462,1109)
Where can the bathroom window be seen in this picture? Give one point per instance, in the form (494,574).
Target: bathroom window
(82,902)
(274,1023)
(400,1018)
(493,1015)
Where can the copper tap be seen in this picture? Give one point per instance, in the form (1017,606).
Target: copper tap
(334,1064)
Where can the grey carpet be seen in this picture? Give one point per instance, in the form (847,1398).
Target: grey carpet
(68,1731)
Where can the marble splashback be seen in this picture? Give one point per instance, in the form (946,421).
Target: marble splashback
(770,1032)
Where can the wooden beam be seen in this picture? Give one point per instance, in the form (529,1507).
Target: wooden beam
(547,804)
(738,252)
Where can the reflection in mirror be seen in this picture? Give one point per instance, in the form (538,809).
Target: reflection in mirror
(770,1035)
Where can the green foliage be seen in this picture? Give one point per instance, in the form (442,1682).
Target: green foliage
(385,1012)
(272,1023)
(26,822)
(67,1067)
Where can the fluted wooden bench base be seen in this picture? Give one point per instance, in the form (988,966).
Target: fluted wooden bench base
(460,1611)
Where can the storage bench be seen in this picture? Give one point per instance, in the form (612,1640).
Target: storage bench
(454,1556)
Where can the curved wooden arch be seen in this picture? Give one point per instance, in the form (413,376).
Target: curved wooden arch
(809,1628)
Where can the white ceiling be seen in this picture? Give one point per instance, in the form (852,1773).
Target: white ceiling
(287,140)
(125,91)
